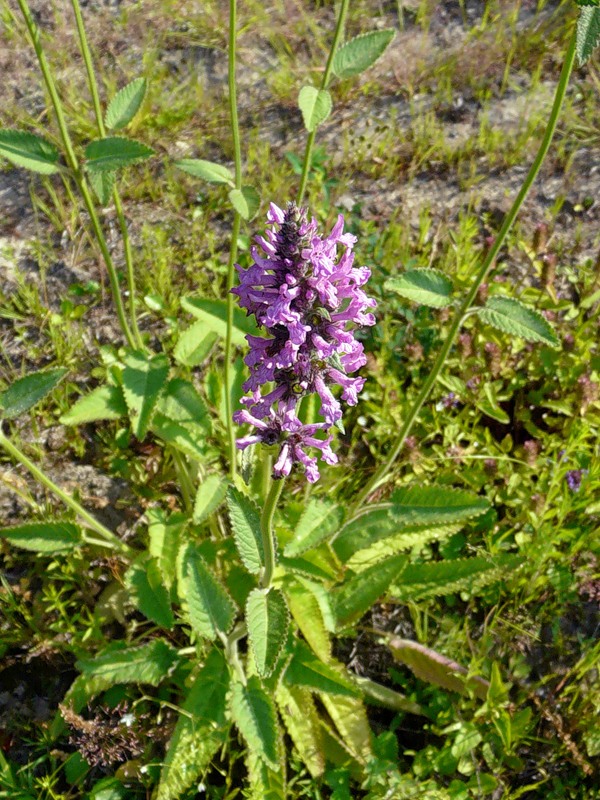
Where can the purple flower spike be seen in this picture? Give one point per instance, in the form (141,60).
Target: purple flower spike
(308,299)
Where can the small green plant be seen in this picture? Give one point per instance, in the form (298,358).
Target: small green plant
(226,605)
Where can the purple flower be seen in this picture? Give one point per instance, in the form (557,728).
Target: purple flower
(574,478)
(308,299)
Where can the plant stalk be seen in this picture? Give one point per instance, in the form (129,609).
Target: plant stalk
(382,473)
(237,155)
(339,30)
(268,537)
(77,174)
(93,86)
(108,536)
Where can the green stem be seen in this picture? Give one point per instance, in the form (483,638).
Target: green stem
(339,29)
(231,649)
(74,166)
(42,478)
(93,86)
(381,474)
(266,527)
(237,155)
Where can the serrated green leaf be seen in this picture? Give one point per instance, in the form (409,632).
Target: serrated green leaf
(25,392)
(361,52)
(151,663)
(43,537)
(410,539)
(115,152)
(253,712)
(511,316)
(246,201)
(433,667)
(165,536)
(144,581)
(103,184)
(350,718)
(194,344)
(143,378)
(268,619)
(125,104)
(210,609)
(428,287)
(588,33)
(358,593)
(299,714)
(214,314)
(307,613)
(315,105)
(200,731)
(308,671)
(245,526)
(29,151)
(104,402)
(429,505)
(319,520)
(209,497)
(265,783)
(436,579)
(179,436)
(207,170)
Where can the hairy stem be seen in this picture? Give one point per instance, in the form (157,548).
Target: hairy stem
(93,86)
(339,30)
(382,473)
(237,155)
(266,527)
(77,174)
(109,538)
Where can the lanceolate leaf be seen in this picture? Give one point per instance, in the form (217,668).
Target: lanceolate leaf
(211,610)
(165,536)
(264,782)
(104,402)
(27,150)
(511,316)
(25,392)
(315,105)
(308,616)
(246,201)
(268,621)
(209,497)
(306,670)
(319,520)
(150,663)
(144,581)
(245,525)
(125,104)
(428,287)
(43,537)
(254,714)
(200,731)
(362,52)
(427,505)
(435,668)
(143,378)
(434,579)
(357,594)
(588,33)
(115,152)
(350,718)
(300,717)
(207,170)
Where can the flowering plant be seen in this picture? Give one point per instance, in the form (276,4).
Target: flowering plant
(306,300)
